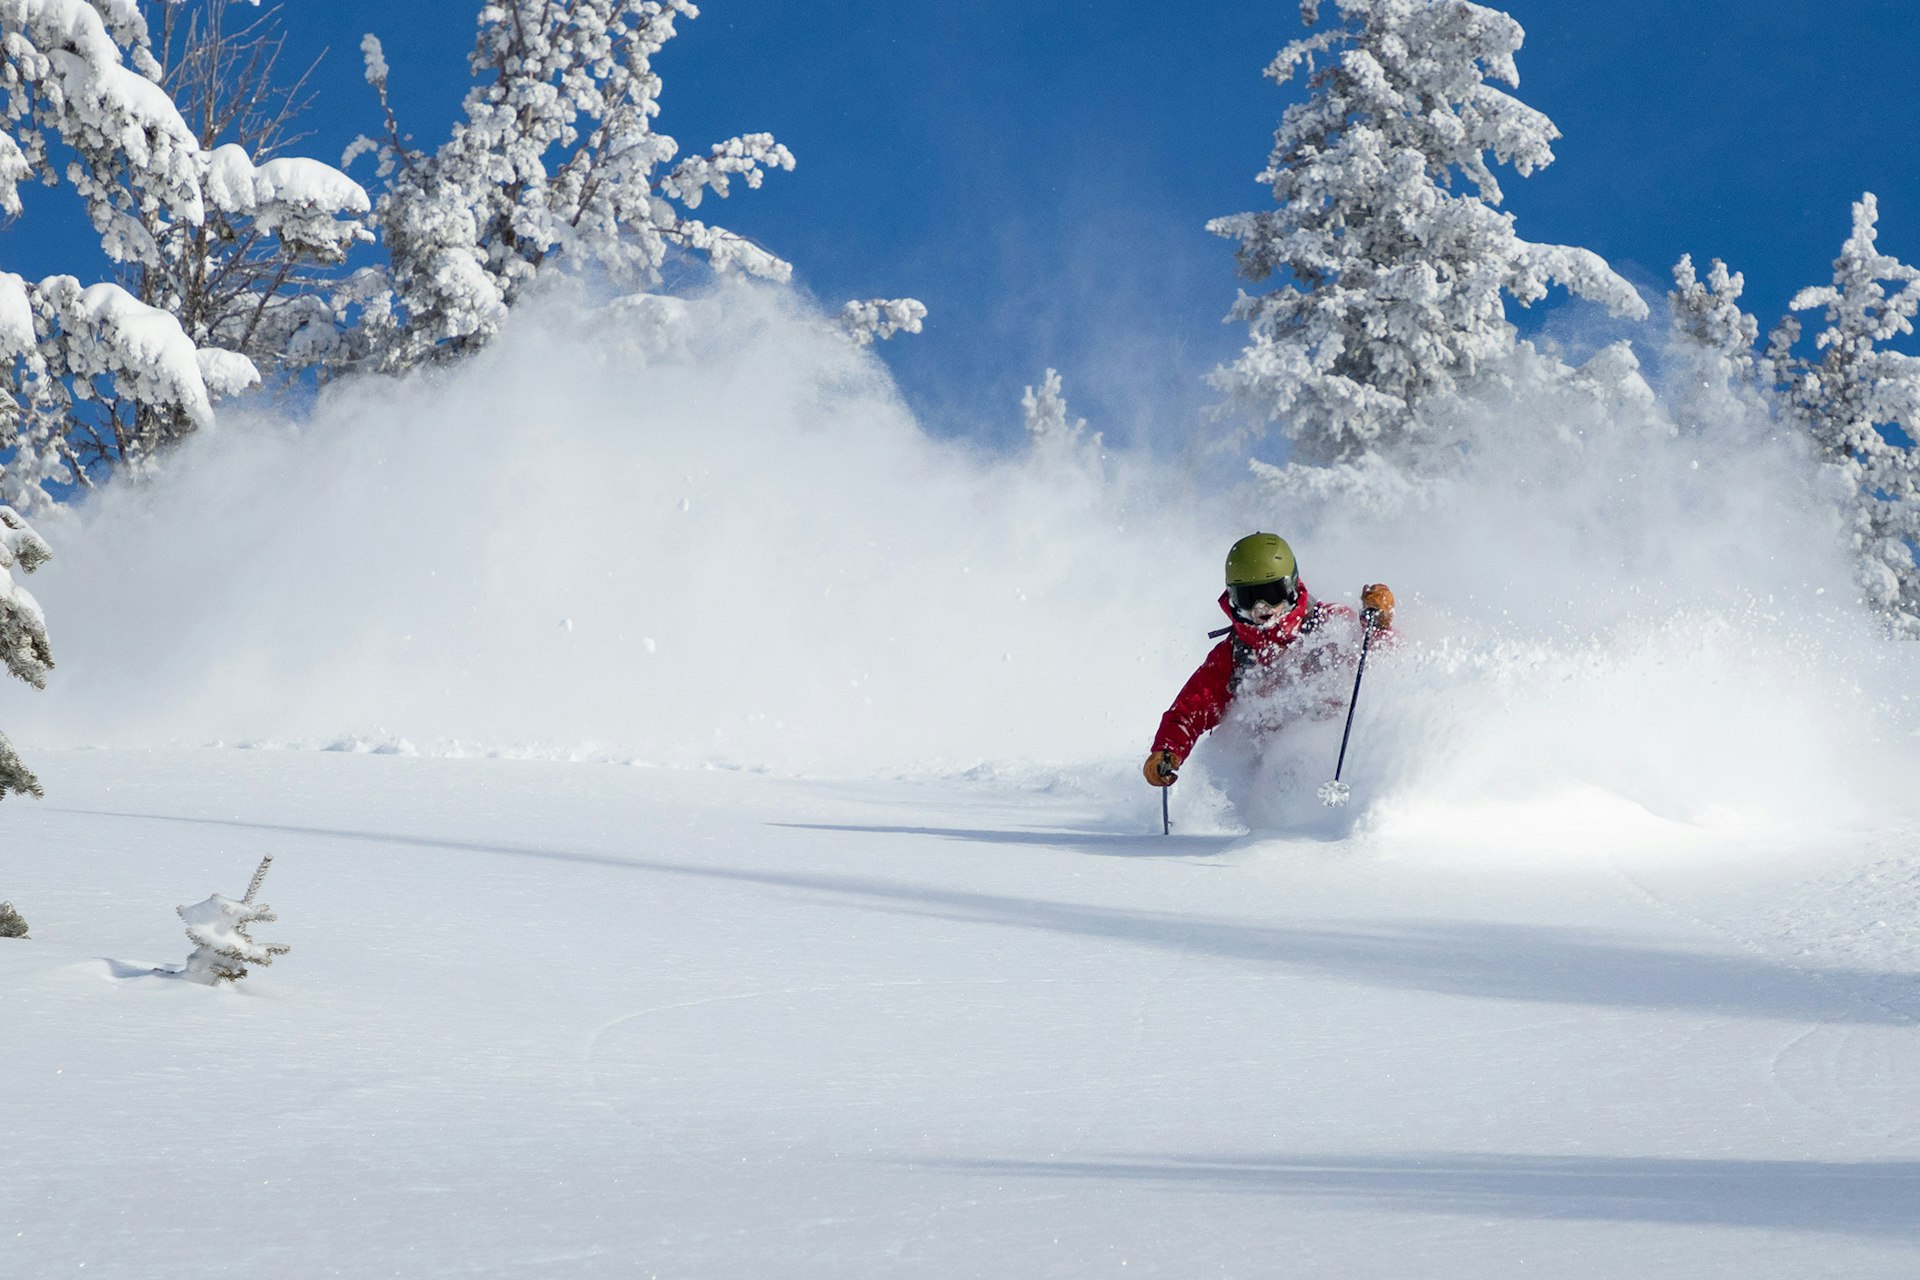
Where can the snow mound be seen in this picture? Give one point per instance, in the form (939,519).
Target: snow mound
(1741,724)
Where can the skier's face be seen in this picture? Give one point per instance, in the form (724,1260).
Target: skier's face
(1264,603)
(1265,616)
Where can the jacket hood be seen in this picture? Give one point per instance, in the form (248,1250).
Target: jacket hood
(1278,635)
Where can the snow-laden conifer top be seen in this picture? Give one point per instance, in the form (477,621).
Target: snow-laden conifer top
(1392,260)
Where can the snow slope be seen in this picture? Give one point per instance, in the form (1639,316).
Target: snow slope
(562,1019)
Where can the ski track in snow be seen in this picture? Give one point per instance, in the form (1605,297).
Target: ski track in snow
(1847,1074)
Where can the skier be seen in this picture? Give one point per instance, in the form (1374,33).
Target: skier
(1271,644)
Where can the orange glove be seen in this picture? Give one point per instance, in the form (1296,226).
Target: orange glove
(1377,599)
(1161,768)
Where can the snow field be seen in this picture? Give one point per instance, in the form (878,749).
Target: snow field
(614,1021)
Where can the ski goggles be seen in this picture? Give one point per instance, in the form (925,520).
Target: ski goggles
(1280,595)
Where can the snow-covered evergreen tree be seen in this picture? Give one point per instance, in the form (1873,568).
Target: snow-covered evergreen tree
(217,927)
(1719,377)
(555,157)
(1393,260)
(23,634)
(555,161)
(1860,402)
(12,923)
(92,370)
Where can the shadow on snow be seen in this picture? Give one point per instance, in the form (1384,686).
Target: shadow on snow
(1471,958)
(1098,843)
(1880,1198)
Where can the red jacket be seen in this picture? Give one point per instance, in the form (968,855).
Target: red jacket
(1203,699)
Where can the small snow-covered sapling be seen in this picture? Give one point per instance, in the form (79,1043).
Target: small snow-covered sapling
(218,929)
(12,923)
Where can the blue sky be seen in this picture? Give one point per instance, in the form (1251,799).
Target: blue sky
(1040,173)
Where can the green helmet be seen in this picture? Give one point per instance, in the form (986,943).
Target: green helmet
(1260,557)
(1261,571)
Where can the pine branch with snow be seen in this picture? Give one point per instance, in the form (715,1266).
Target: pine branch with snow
(1393,259)
(881,318)
(15,777)
(218,929)
(1044,409)
(1049,426)
(12,923)
(69,90)
(64,341)
(1707,313)
(1859,401)
(23,630)
(24,647)
(1059,442)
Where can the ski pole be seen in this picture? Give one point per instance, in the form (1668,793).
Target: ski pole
(1166,823)
(1336,792)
